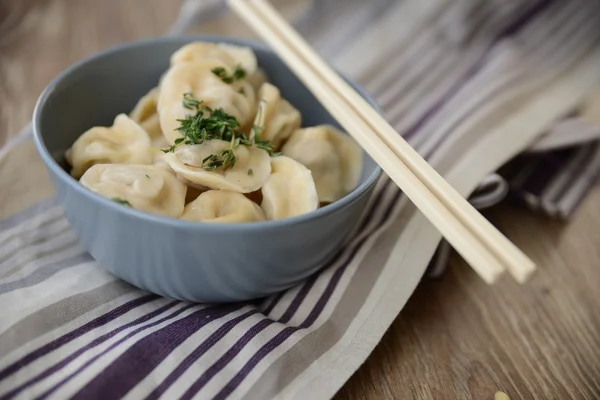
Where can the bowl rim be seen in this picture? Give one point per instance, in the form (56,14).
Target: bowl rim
(101,201)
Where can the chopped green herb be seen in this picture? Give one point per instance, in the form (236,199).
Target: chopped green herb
(225,159)
(206,124)
(276,154)
(147,176)
(236,74)
(209,124)
(250,172)
(190,102)
(121,201)
(259,143)
(256,129)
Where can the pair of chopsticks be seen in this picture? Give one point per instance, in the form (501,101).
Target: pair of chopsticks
(487,251)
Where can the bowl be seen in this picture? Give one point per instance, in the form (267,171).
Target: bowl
(199,262)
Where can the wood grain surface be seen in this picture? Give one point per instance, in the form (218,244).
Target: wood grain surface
(457,338)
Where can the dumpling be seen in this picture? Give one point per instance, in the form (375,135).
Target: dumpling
(146,115)
(227,55)
(250,171)
(277,117)
(143,187)
(197,78)
(289,191)
(222,206)
(333,157)
(125,142)
(257,79)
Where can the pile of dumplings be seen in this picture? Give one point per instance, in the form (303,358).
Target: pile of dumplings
(302,169)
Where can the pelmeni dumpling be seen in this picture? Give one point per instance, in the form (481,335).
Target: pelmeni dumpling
(251,170)
(276,116)
(334,159)
(125,142)
(222,206)
(228,55)
(289,191)
(197,78)
(146,115)
(257,79)
(143,187)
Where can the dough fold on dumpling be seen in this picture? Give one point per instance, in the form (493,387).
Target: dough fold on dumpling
(143,187)
(257,79)
(289,191)
(222,206)
(145,114)
(227,55)
(125,142)
(333,157)
(251,170)
(197,78)
(277,117)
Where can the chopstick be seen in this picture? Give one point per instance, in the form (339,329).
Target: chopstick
(482,246)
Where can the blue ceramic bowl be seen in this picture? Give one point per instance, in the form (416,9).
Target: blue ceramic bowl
(203,262)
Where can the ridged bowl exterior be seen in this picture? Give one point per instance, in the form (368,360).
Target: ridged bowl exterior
(188,261)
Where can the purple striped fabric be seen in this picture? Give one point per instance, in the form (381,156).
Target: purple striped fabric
(98,322)
(227,357)
(197,353)
(512,82)
(531,175)
(141,358)
(512,28)
(96,342)
(117,343)
(136,361)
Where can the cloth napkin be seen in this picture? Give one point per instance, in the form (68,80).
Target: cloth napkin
(470,84)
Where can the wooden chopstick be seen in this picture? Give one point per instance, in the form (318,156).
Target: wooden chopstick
(275,29)
(518,264)
(483,261)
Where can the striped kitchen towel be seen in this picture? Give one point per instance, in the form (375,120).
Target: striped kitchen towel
(471,84)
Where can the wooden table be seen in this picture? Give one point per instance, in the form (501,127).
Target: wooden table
(457,338)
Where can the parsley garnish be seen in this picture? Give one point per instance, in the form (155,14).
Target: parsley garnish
(262,144)
(236,74)
(225,158)
(121,201)
(147,176)
(209,124)
(190,102)
(206,124)
(250,172)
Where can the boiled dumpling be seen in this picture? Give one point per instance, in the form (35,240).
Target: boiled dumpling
(146,115)
(227,55)
(197,78)
(277,117)
(124,142)
(222,206)
(143,187)
(334,159)
(257,79)
(251,170)
(289,191)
